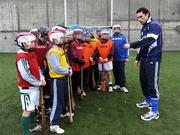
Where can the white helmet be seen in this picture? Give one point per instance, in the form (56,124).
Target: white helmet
(25,37)
(55,35)
(34,32)
(116,26)
(105,31)
(69,32)
(59,28)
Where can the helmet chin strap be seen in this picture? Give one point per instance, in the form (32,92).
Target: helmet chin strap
(26,50)
(31,49)
(117,33)
(104,40)
(60,44)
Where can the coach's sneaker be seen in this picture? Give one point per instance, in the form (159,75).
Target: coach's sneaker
(48,111)
(124,89)
(143,105)
(116,87)
(56,129)
(150,116)
(84,93)
(36,128)
(66,115)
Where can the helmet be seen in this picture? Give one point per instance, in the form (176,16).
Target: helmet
(76,27)
(59,28)
(69,32)
(116,26)
(86,34)
(26,38)
(105,31)
(34,32)
(98,30)
(43,30)
(55,35)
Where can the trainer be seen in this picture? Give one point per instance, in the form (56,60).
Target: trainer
(149,57)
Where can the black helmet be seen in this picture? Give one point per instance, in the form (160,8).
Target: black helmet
(43,30)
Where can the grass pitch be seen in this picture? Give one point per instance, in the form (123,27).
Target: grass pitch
(103,113)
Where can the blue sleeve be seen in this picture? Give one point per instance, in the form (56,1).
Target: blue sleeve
(54,63)
(126,50)
(154,30)
(143,42)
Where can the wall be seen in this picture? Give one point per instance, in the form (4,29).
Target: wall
(23,15)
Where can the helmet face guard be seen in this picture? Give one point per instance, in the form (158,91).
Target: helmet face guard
(78,33)
(27,42)
(43,31)
(116,29)
(86,36)
(56,37)
(116,26)
(105,34)
(69,35)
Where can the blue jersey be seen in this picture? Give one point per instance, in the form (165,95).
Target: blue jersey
(153,52)
(120,53)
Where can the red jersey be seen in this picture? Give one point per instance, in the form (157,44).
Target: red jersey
(76,50)
(33,67)
(41,50)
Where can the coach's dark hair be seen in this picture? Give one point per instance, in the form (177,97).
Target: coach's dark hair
(144,10)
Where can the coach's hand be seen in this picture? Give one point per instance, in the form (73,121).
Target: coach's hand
(136,64)
(127,59)
(127,46)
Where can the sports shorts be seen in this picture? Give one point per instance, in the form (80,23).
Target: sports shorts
(29,98)
(105,66)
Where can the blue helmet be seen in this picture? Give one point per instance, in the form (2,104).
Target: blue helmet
(75,27)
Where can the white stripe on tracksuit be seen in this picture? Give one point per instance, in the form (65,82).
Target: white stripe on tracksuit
(53,111)
(156,79)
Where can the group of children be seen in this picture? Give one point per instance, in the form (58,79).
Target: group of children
(48,57)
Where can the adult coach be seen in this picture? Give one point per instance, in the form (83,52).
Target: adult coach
(149,56)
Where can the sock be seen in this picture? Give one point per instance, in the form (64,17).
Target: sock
(103,85)
(110,84)
(148,99)
(25,121)
(155,104)
(32,119)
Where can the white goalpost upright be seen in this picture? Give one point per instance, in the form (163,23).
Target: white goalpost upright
(65,12)
(111,12)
